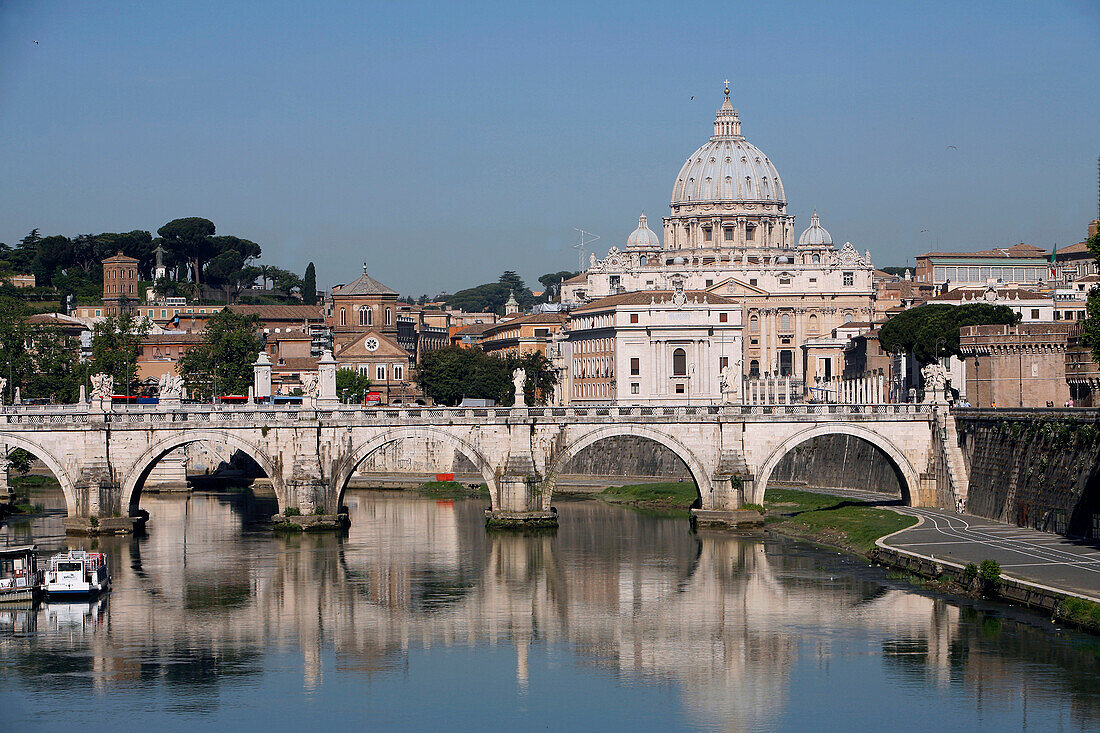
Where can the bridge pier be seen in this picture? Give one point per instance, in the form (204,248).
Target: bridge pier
(99,505)
(521,501)
(722,505)
(311,503)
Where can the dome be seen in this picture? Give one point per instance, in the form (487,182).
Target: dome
(816,234)
(728,167)
(643,236)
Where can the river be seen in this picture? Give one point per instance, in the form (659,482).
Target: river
(421,619)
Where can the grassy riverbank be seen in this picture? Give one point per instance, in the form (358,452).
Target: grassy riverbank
(831,520)
(669,497)
(452,490)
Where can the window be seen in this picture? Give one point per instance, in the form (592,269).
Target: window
(633,317)
(723,362)
(679,389)
(849,279)
(816,259)
(848,318)
(813,279)
(785,281)
(343,317)
(727,233)
(389,317)
(634,388)
(1034,314)
(679,363)
(750,232)
(754,341)
(709,283)
(398,371)
(786,362)
(363,316)
(754,324)
(752,281)
(754,368)
(706,234)
(785,322)
(614,281)
(813,323)
(635,366)
(380,372)
(723,317)
(363,369)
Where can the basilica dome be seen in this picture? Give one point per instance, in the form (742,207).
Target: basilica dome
(728,168)
(643,236)
(816,234)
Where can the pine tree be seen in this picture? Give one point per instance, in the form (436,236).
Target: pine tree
(309,285)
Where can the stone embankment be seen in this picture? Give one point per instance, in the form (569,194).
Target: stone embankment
(1034,468)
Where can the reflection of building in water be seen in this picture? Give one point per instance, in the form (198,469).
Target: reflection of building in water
(724,617)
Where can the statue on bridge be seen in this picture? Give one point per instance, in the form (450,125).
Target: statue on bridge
(935,382)
(3,386)
(519,379)
(170,387)
(311,384)
(729,385)
(103,386)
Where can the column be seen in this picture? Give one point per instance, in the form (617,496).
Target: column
(261,376)
(326,374)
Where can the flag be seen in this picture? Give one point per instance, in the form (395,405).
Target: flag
(1053,256)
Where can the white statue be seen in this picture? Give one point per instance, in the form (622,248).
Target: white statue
(171,387)
(3,386)
(311,384)
(519,378)
(935,380)
(103,386)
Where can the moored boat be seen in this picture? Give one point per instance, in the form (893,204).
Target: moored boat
(20,578)
(77,574)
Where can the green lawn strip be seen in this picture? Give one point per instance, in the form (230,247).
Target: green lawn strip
(1085,614)
(452,490)
(847,523)
(678,495)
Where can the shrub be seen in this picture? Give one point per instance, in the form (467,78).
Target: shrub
(292,511)
(94,521)
(970,572)
(990,573)
(318,511)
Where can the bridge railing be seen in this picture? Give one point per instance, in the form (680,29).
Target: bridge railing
(122,415)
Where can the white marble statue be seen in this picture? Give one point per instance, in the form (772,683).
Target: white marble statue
(103,386)
(171,387)
(519,379)
(311,384)
(935,381)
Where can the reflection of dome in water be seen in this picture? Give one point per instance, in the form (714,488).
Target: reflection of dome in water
(727,168)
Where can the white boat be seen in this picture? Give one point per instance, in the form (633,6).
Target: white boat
(20,578)
(77,574)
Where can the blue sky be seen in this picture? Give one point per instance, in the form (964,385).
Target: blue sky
(447,142)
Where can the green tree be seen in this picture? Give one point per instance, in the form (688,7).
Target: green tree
(551,283)
(448,375)
(351,385)
(222,362)
(190,241)
(15,359)
(1090,328)
(56,371)
(932,330)
(52,256)
(116,343)
(309,285)
(286,281)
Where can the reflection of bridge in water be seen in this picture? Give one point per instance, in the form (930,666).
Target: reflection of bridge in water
(103,458)
(723,616)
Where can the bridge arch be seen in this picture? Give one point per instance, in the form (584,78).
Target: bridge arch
(347,467)
(68,487)
(908,477)
(568,452)
(134,478)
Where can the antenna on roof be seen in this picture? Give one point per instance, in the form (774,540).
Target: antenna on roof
(581,245)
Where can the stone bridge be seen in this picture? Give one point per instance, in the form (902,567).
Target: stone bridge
(101,457)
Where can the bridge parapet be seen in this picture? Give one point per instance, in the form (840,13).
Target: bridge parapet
(57,416)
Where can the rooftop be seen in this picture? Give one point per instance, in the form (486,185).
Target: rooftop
(646,297)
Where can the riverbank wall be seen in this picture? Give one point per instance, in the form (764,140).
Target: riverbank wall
(838,461)
(1034,468)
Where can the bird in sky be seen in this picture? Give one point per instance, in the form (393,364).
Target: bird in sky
(692,96)
(952,147)
(36,43)
(922,231)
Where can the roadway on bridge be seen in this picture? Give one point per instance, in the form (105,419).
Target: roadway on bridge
(1026,554)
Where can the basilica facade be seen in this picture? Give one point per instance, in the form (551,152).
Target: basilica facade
(728,233)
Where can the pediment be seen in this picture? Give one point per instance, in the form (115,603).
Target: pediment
(357,349)
(732,287)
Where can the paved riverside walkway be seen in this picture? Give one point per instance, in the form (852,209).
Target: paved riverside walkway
(1025,554)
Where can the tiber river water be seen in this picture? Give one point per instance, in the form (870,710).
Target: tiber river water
(420,619)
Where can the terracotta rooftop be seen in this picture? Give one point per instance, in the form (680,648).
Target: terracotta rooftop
(961,294)
(1016,250)
(534,318)
(279,312)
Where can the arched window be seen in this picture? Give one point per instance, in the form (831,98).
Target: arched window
(679,363)
(848,318)
(754,368)
(785,322)
(388,317)
(363,316)
(816,259)
(754,324)
(343,317)
(813,323)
